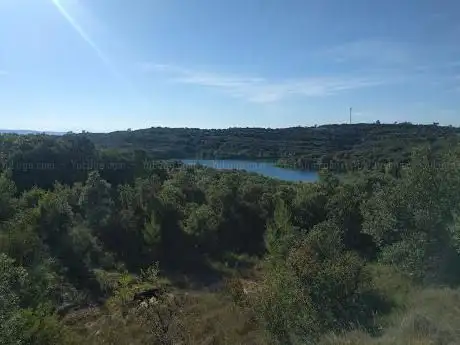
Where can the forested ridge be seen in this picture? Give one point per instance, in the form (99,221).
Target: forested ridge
(97,247)
(341,147)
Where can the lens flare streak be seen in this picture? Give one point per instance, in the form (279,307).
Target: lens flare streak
(84,35)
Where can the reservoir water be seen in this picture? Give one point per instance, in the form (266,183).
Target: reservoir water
(263,168)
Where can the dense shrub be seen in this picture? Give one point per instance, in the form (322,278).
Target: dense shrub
(304,260)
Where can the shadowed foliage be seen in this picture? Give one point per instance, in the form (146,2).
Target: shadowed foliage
(96,247)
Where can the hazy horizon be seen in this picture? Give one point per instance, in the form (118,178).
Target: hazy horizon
(64,131)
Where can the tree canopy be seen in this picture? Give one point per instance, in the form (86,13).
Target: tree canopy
(85,228)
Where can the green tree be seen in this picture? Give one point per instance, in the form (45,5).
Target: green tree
(411,221)
(319,287)
(96,201)
(280,232)
(203,225)
(7,196)
(12,281)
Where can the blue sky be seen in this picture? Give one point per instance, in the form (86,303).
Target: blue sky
(103,65)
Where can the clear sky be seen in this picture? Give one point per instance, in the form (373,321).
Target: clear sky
(103,65)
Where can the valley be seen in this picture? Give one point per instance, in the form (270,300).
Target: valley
(112,244)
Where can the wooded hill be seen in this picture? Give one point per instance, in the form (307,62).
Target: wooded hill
(349,146)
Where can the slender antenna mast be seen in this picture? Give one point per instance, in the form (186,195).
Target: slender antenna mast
(350,114)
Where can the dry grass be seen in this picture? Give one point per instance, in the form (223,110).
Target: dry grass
(199,318)
(419,317)
(432,318)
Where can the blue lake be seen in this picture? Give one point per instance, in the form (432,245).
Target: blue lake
(263,168)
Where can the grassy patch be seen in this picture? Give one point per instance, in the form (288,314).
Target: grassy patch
(432,317)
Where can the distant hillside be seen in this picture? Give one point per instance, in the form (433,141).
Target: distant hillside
(300,147)
(25,132)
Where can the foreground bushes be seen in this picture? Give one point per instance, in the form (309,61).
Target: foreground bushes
(317,287)
(327,257)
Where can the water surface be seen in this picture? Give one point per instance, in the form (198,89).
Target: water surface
(263,168)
